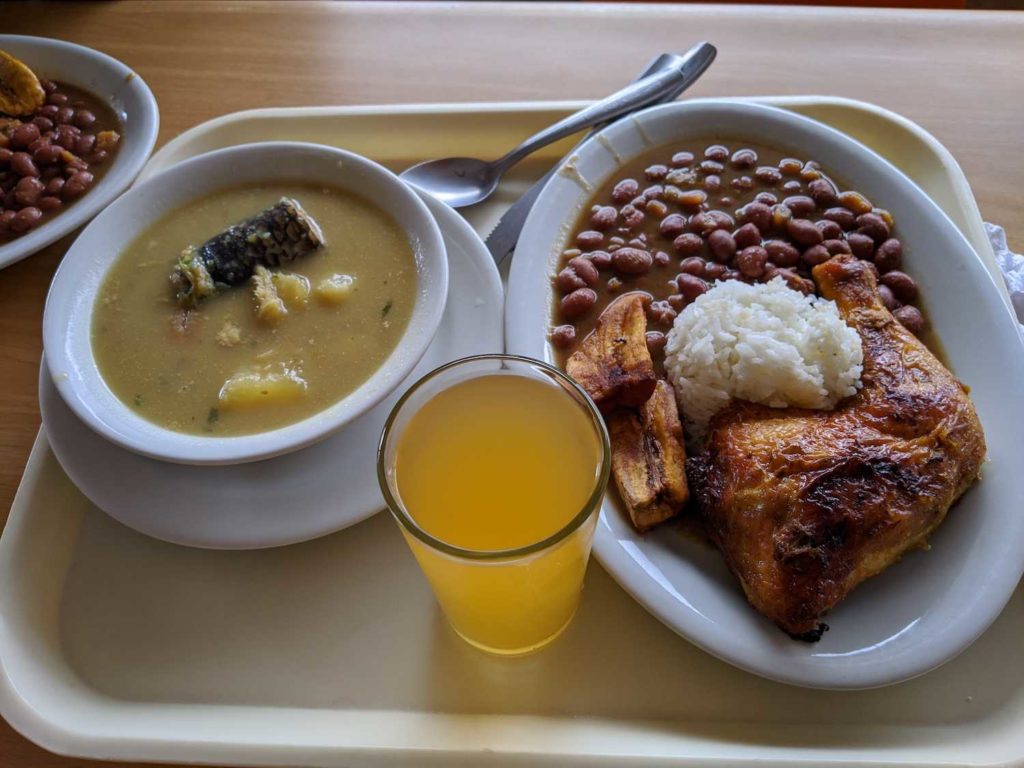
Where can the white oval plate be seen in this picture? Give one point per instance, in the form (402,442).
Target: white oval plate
(299,496)
(130,98)
(921,612)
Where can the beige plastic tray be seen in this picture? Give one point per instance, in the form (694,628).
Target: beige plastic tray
(332,653)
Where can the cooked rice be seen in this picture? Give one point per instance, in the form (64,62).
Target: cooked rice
(765,343)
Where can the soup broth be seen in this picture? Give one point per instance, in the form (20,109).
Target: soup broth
(228,366)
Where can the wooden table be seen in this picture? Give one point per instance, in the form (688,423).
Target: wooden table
(955,73)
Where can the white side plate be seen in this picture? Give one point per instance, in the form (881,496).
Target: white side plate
(298,496)
(918,614)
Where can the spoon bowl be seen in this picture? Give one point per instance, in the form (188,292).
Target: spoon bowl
(456,181)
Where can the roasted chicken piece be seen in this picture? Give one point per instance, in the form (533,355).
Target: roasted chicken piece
(613,363)
(805,505)
(648,458)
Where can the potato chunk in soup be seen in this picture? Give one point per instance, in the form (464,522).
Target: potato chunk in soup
(261,354)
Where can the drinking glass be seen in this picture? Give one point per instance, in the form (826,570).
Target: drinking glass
(505,601)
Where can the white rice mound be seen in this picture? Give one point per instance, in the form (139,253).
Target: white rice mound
(765,343)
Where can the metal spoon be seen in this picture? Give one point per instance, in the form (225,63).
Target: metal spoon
(463,181)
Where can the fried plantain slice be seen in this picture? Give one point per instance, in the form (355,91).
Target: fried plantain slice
(20,91)
(649,459)
(613,364)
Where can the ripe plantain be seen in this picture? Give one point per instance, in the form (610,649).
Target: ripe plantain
(613,364)
(20,91)
(649,460)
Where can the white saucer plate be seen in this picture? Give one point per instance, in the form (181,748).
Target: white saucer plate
(921,612)
(130,98)
(299,496)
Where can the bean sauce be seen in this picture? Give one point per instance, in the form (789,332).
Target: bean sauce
(678,218)
(53,157)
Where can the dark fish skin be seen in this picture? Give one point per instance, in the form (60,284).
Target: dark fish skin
(278,235)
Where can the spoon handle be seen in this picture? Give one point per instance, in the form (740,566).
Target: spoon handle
(505,234)
(671,75)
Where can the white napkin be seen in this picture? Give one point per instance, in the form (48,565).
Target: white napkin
(1011,265)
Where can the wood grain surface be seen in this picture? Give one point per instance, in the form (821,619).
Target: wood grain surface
(956,73)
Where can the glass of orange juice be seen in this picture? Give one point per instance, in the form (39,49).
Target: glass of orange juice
(494,467)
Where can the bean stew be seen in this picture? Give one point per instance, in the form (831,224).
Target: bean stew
(52,157)
(675,220)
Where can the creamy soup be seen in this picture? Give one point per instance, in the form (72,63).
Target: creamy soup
(271,349)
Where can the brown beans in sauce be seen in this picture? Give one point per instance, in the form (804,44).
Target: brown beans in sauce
(747,235)
(563,336)
(823,193)
(655,341)
(578,302)
(844,217)
(722,246)
(585,269)
(888,298)
(902,285)
(25,219)
(631,261)
(837,246)
(690,286)
(714,270)
(589,239)
(682,159)
(862,246)
(742,183)
(768,175)
(751,261)
(716,152)
(715,216)
(816,254)
(889,255)
(601,259)
(656,208)
(625,191)
(632,216)
(790,166)
(656,172)
(41,153)
(854,201)
(800,205)
(604,217)
(872,225)
(744,158)
(672,225)
(758,214)
(829,229)
(910,318)
(23,165)
(661,313)
(693,265)
(782,253)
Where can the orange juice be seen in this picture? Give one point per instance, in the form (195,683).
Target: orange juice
(502,462)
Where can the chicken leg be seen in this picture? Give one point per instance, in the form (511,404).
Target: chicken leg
(805,505)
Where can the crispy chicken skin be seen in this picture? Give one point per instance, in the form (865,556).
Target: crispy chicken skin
(613,364)
(805,505)
(648,459)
